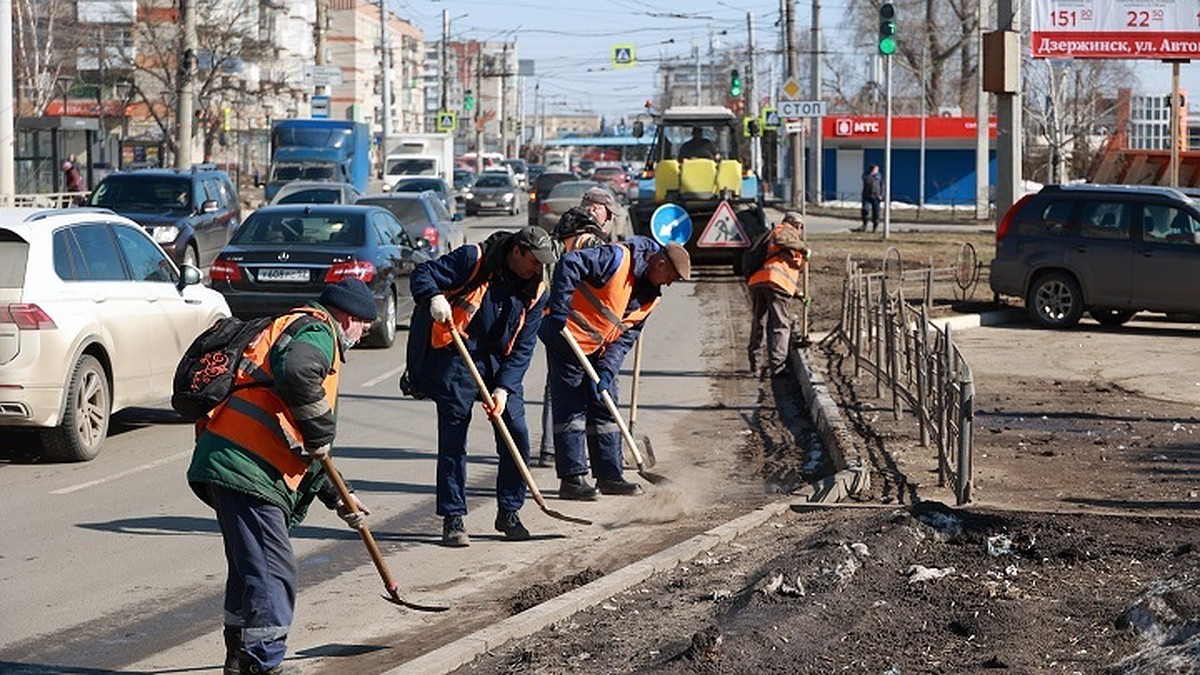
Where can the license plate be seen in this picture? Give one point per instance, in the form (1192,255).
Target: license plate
(487,204)
(275,274)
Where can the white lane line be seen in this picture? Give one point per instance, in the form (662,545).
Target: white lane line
(376,380)
(122,474)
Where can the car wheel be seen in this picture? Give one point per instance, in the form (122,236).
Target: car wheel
(190,257)
(1055,301)
(1111,317)
(384,335)
(84,423)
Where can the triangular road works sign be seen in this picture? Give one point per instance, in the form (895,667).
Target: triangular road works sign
(723,230)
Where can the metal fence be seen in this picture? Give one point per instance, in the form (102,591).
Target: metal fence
(44,200)
(894,339)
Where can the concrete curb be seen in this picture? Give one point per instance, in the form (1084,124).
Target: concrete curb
(462,651)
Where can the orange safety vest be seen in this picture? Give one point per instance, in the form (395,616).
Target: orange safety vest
(599,315)
(463,307)
(256,418)
(781,268)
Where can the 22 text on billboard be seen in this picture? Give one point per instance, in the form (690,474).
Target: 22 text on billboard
(1110,29)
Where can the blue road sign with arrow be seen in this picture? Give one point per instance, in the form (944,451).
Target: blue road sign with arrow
(670,224)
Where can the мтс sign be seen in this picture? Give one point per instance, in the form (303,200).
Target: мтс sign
(1113,29)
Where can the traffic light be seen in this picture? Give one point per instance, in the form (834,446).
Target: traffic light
(735,84)
(468,101)
(887,29)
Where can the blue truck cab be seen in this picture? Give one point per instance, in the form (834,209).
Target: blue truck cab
(319,149)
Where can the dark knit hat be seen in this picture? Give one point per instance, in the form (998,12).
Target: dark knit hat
(351,296)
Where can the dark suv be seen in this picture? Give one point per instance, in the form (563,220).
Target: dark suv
(1110,250)
(191,213)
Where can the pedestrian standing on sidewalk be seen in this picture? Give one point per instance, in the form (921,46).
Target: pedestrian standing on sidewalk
(602,295)
(772,287)
(872,195)
(257,463)
(494,295)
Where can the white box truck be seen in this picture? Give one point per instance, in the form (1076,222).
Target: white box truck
(419,155)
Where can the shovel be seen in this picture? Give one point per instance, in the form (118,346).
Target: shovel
(508,439)
(633,404)
(612,409)
(804,340)
(389,583)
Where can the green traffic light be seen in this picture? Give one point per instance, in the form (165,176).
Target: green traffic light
(887,45)
(735,84)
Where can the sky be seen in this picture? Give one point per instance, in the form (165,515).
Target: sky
(571,42)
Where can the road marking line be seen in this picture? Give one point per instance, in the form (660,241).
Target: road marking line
(122,474)
(376,380)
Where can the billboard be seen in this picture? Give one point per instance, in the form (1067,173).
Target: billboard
(1111,29)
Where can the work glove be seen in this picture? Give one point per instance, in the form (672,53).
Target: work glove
(439,308)
(500,398)
(355,518)
(604,384)
(319,454)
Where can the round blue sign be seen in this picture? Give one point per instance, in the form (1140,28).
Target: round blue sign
(670,224)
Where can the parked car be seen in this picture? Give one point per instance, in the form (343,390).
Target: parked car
(520,171)
(464,181)
(285,255)
(494,190)
(541,187)
(1110,250)
(614,177)
(316,192)
(570,193)
(535,170)
(93,319)
(424,218)
(437,185)
(189,212)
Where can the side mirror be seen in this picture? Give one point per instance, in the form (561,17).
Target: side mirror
(457,217)
(189,276)
(208,206)
(639,129)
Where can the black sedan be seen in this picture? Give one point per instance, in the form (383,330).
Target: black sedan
(444,192)
(423,217)
(284,256)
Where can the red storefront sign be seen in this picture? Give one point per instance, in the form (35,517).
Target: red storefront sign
(848,127)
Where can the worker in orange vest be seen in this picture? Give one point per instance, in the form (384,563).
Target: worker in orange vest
(772,287)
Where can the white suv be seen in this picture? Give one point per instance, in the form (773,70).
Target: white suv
(93,318)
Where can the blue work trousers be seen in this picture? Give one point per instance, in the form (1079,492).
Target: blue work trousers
(582,421)
(455,397)
(260,589)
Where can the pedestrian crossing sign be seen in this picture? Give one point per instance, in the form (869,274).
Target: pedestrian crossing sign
(723,230)
(770,119)
(623,56)
(447,120)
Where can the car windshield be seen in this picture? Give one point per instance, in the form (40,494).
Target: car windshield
(144,192)
(322,230)
(405,210)
(284,172)
(411,167)
(312,196)
(491,180)
(418,186)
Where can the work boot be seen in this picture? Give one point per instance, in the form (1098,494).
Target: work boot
(248,666)
(510,524)
(454,533)
(577,488)
(618,486)
(233,645)
(545,459)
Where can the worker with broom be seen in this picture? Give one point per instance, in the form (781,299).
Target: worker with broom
(601,296)
(494,296)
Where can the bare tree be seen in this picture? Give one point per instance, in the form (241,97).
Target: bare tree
(43,51)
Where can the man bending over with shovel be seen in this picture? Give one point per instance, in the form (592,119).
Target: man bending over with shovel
(494,296)
(258,463)
(601,296)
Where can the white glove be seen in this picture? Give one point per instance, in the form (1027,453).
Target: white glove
(500,398)
(318,453)
(357,517)
(439,308)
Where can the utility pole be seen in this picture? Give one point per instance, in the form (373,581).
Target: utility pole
(445,105)
(8,181)
(187,86)
(815,170)
(752,99)
(319,36)
(793,69)
(1008,119)
(696,53)
(981,128)
(500,106)
(478,107)
(385,49)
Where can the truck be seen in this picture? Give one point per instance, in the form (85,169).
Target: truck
(419,155)
(558,160)
(332,150)
(721,197)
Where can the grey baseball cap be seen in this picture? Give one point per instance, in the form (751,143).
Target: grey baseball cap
(538,241)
